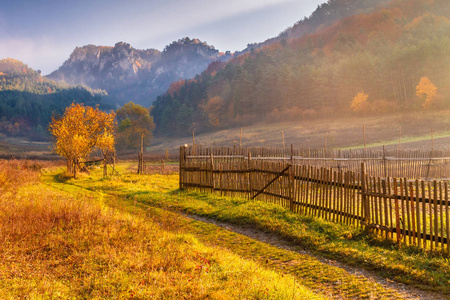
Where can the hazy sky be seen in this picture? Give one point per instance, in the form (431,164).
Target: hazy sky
(43,33)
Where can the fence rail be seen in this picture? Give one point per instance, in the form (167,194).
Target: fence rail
(412,164)
(414,212)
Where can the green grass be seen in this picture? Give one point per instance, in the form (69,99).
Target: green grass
(410,265)
(346,244)
(101,238)
(404,140)
(351,246)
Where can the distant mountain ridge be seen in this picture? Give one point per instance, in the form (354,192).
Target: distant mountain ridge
(128,74)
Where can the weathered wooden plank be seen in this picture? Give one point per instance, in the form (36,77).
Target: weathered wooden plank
(447,214)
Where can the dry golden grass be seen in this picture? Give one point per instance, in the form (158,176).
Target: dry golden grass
(15,173)
(59,242)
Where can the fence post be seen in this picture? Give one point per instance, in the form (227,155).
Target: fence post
(250,165)
(364,198)
(212,173)
(182,165)
(384,162)
(291,189)
(139,163)
(429,163)
(292,154)
(291,180)
(397,213)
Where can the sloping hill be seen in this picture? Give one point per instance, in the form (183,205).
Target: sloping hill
(383,54)
(412,130)
(326,14)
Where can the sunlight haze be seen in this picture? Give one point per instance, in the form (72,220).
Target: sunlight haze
(43,33)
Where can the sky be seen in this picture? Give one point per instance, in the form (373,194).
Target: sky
(43,33)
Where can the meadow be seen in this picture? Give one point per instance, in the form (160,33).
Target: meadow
(63,241)
(128,236)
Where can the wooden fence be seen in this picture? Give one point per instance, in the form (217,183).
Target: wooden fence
(412,164)
(414,212)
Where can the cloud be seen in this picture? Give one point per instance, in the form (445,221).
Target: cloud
(229,25)
(153,23)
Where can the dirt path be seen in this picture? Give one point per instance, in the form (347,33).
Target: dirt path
(406,291)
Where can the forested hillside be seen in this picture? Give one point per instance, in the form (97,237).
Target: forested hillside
(369,63)
(28,100)
(326,14)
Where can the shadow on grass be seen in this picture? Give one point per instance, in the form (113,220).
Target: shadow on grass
(61,177)
(175,192)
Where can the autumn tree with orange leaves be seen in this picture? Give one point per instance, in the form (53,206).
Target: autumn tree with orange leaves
(360,103)
(79,131)
(214,110)
(427,91)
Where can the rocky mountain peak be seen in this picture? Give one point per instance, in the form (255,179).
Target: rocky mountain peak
(129,73)
(101,67)
(122,49)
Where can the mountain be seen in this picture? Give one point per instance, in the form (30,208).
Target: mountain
(128,74)
(367,63)
(28,100)
(326,14)
(105,67)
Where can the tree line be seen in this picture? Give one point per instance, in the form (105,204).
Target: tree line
(28,100)
(28,114)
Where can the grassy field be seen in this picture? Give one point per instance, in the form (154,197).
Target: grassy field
(60,240)
(25,149)
(410,265)
(126,237)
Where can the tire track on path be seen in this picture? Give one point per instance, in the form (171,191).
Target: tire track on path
(405,291)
